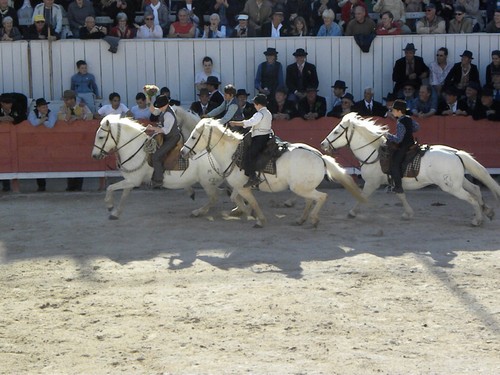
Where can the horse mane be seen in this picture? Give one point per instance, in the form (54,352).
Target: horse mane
(223,129)
(367,126)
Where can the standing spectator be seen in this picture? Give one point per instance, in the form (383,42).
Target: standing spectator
(426,104)
(312,106)
(396,7)
(212,84)
(361,24)
(368,106)
(460,24)
(387,26)
(24,13)
(275,27)
(201,77)
(203,105)
(280,107)
(343,108)
(184,27)
(214,30)
(243,29)
(300,75)
(258,12)
(160,13)
(149,30)
(7,11)
(494,25)
(329,27)
(493,67)
(269,74)
(439,69)
(85,86)
(9,33)
(140,111)
(78,11)
(40,30)
(339,88)
(299,27)
(52,14)
(491,108)
(462,73)
(122,30)
(431,23)
(409,68)
(246,107)
(114,107)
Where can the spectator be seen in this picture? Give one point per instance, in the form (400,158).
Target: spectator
(52,14)
(93,31)
(493,67)
(84,84)
(409,68)
(496,86)
(166,91)
(149,30)
(229,110)
(472,12)
(214,30)
(7,11)
(114,107)
(122,30)
(426,104)
(472,101)
(140,111)
(339,88)
(396,7)
(269,74)
(460,24)
(201,77)
(40,30)
(243,29)
(343,108)
(451,106)
(312,106)
(313,13)
(387,26)
(196,8)
(494,25)
(247,108)
(491,108)
(203,105)
(275,28)
(24,14)
(258,12)
(409,94)
(462,73)
(8,111)
(431,23)
(439,69)
(347,13)
(361,24)
(329,27)
(78,11)
(111,8)
(212,84)
(368,106)
(412,6)
(389,101)
(280,107)
(160,14)
(227,11)
(9,33)
(300,75)
(299,27)
(184,27)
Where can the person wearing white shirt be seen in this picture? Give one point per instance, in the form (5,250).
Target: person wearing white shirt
(439,69)
(149,30)
(114,108)
(141,110)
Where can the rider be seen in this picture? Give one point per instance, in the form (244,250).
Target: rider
(402,141)
(229,109)
(167,127)
(260,123)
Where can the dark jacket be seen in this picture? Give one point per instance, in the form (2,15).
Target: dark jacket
(32,34)
(455,74)
(300,82)
(443,106)
(197,108)
(377,109)
(265,30)
(399,72)
(217,98)
(288,108)
(319,107)
(495,116)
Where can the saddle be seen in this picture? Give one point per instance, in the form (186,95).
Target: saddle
(266,162)
(411,163)
(173,160)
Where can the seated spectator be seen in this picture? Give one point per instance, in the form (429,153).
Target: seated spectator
(9,112)
(472,12)
(258,12)
(496,86)
(312,106)
(71,110)
(368,106)
(149,30)
(300,75)
(196,8)
(78,11)
(312,12)
(84,84)
(40,30)
(201,77)
(387,26)
(409,93)
(493,68)
(329,27)
(280,107)
(46,8)
(246,107)
(214,30)
(122,30)
(409,68)
(166,91)
(343,108)
(439,69)
(299,27)
(493,27)
(389,101)
(184,27)
(361,24)
(203,105)
(491,108)
(269,74)
(160,12)
(431,23)
(472,100)
(8,11)
(228,11)
(426,104)
(212,84)
(243,29)
(462,73)
(140,111)
(339,88)
(348,9)
(395,7)
(114,107)
(451,106)
(460,24)
(275,27)
(9,33)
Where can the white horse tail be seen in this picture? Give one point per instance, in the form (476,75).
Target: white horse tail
(479,172)
(335,172)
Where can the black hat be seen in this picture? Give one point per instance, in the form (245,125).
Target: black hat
(399,104)
(468,54)
(459,8)
(390,97)
(161,101)
(312,88)
(487,91)
(260,99)
(474,85)
(281,89)
(410,47)
(40,102)
(278,9)
(349,97)
(271,51)
(300,52)
(242,92)
(452,91)
(4,98)
(339,85)
(212,80)
(430,5)
(204,91)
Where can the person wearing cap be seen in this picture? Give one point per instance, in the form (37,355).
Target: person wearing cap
(491,108)
(312,106)
(426,104)
(201,77)
(39,30)
(42,115)
(338,90)
(451,106)
(280,107)
(122,30)
(243,29)
(472,101)
(140,111)
(212,84)
(269,74)
(246,107)
(8,32)
(462,73)
(115,107)
(275,27)
(346,106)
(439,69)
(52,13)
(73,110)
(493,27)
(329,27)
(431,23)
(169,130)
(410,68)
(78,10)
(258,12)
(401,141)
(300,75)
(203,105)
(493,67)
(214,29)
(260,124)
(229,109)
(84,84)
(368,106)
(460,24)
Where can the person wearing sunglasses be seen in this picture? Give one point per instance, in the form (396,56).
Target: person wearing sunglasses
(149,30)
(431,23)
(460,24)
(439,69)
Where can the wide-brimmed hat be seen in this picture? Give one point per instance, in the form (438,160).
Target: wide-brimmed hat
(204,91)
(339,85)
(399,104)
(300,52)
(242,92)
(212,80)
(161,101)
(69,94)
(468,54)
(474,85)
(390,97)
(410,47)
(278,9)
(41,101)
(349,96)
(270,51)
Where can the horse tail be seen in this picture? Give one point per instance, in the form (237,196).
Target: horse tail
(335,172)
(479,172)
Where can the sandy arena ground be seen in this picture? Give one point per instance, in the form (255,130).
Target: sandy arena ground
(158,292)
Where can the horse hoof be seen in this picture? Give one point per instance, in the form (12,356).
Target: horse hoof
(289,203)
(476,223)
(258,225)
(299,222)
(489,213)
(351,215)
(236,212)
(113,217)
(110,209)
(406,216)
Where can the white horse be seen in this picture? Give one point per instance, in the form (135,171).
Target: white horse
(127,138)
(302,169)
(441,165)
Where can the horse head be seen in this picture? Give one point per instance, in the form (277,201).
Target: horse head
(186,120)
(104,141)
(195,142)
(339,137)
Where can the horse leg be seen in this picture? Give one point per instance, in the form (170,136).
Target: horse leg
(368,190)
(473,189)
(241,207)
(409,213)
(254,205)
(124,185)
(311,196)
(213,195)
(460,193)
(305,213)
